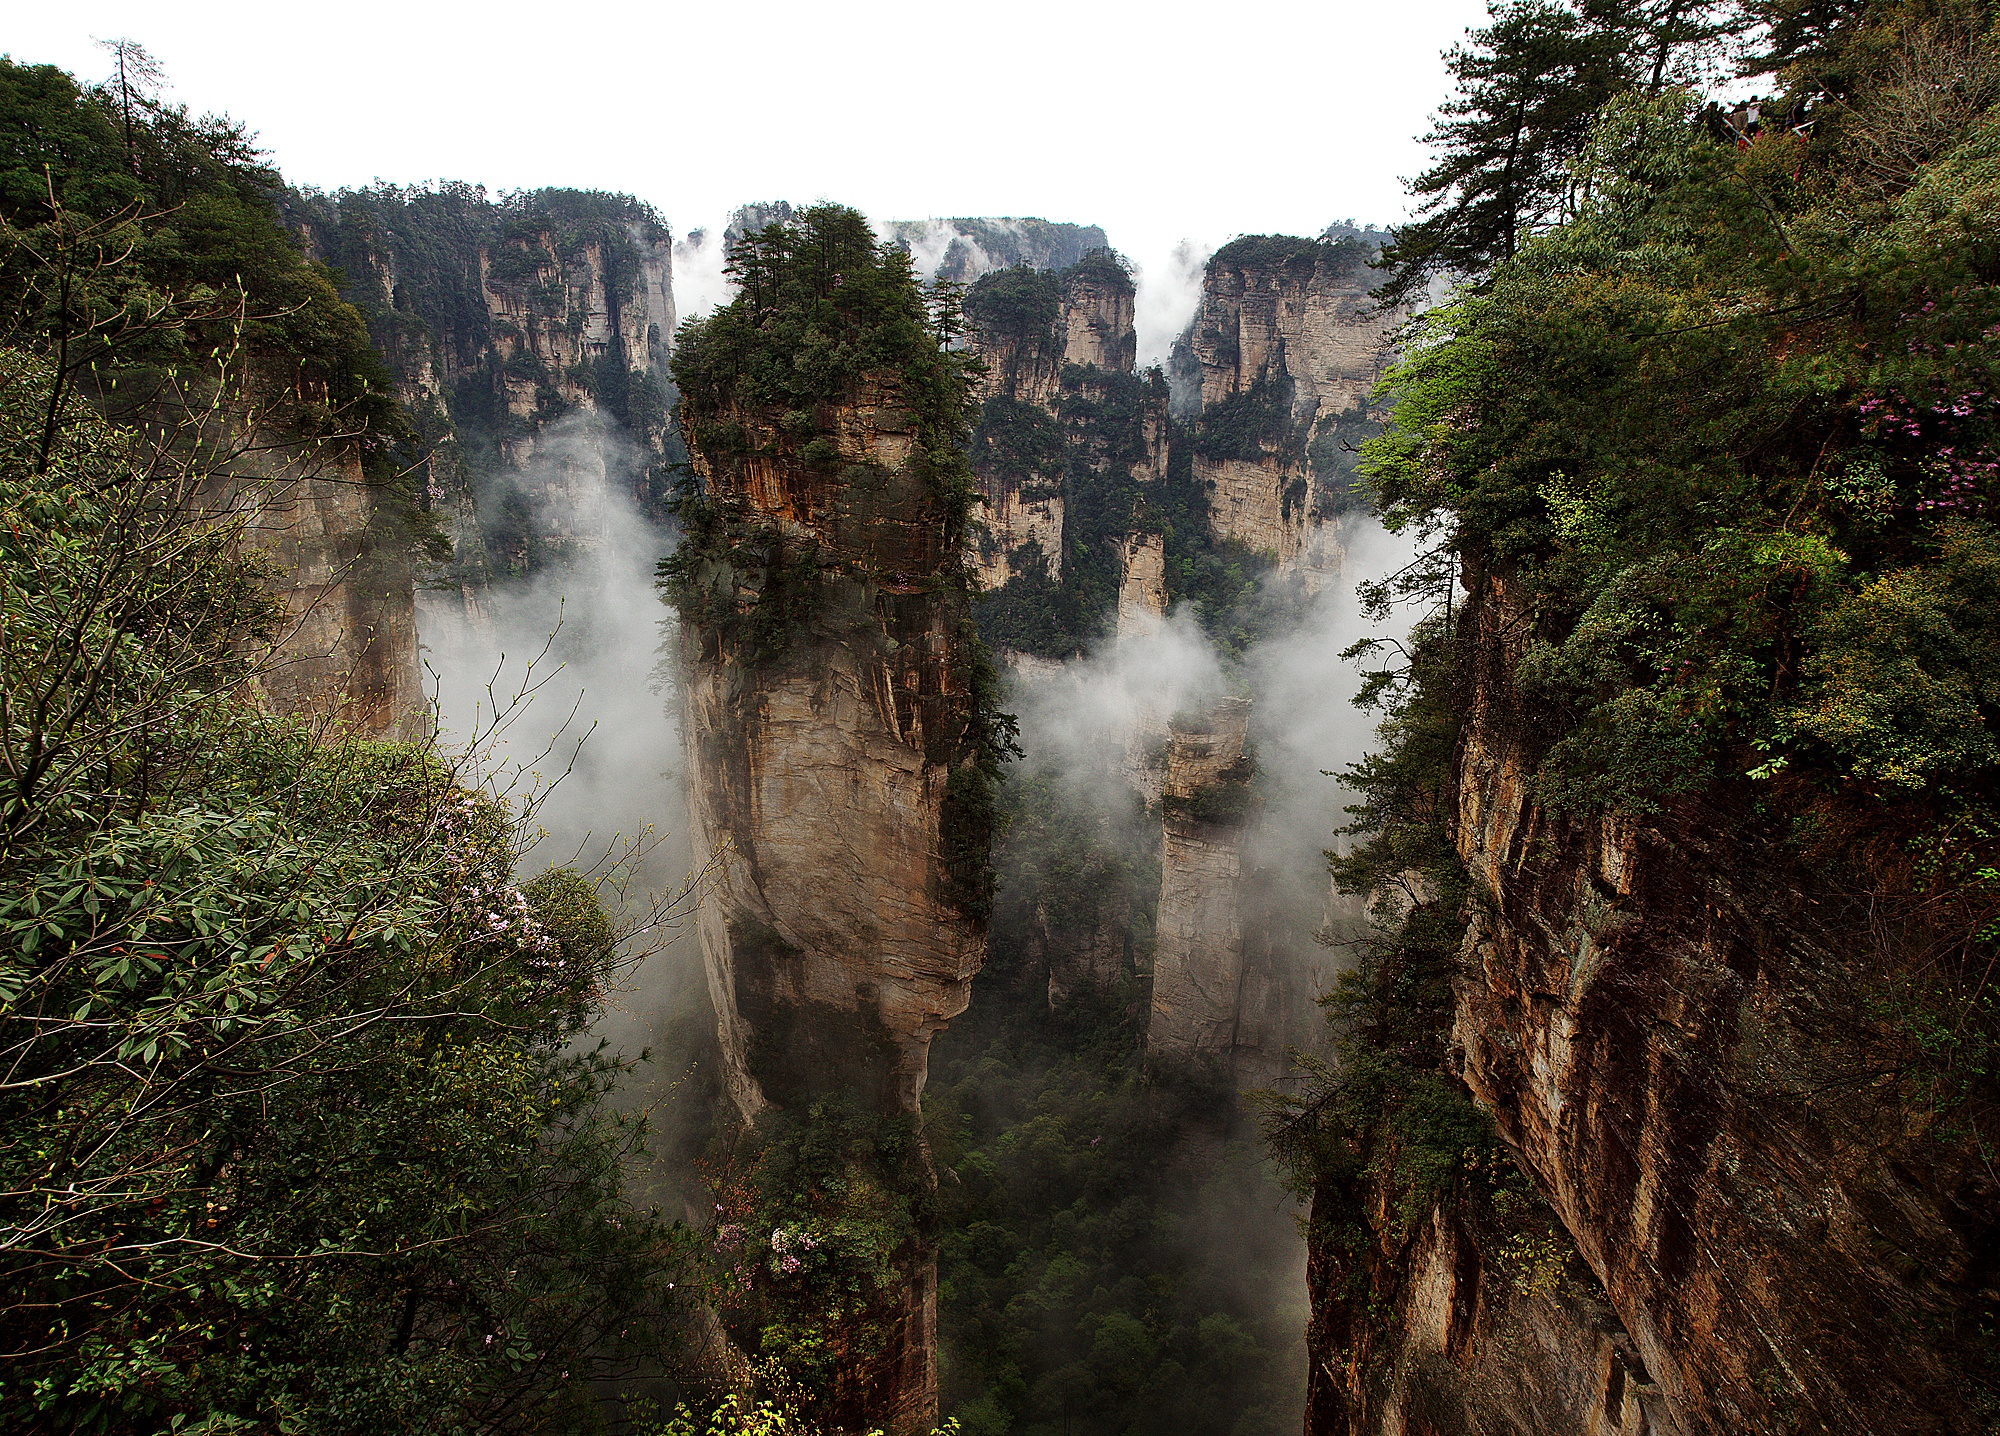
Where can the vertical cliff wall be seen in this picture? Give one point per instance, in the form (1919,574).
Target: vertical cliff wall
(1287,346)
(1206,802)
(499,321)
(1070,449)
(1059,349)
(342,561)
(1721,1202)
(819,756)
(1668,1020)
(839,749)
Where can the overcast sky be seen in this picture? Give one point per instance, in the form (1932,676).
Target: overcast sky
(1160,122)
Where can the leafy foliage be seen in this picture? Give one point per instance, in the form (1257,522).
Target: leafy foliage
(292,1130)
(1097,1268)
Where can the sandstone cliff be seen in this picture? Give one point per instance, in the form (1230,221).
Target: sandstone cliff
(840,752)
(498,321)
(1287,346)
(964,249)
(1733,1208)
(1061,409)
(818,771)
(1198,970)
(345,570)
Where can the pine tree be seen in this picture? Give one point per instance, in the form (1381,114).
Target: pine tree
(1527,86)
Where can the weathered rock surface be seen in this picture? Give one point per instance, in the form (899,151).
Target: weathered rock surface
(349,643)
(498,322)
(1142,593)
(817,777)
(1669,1021)
(1668,1024)
(1478,1342)
(827,707)
(1198,958)
(1286,341)
(1069,373)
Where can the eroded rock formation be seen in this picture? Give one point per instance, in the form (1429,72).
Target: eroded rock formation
(342,564)
(1198,961)
(819,754)
(1059,402)
(1669,1022)
(499,321)
(1287,345)
(839,757)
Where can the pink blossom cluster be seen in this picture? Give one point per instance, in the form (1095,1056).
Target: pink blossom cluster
(1963,474)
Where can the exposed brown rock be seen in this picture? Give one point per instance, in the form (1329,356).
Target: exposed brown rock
(1306,325)
(349,646)
(1668,1020)
(817,762)
(1093,331)
(1198,956)
(1447,1329)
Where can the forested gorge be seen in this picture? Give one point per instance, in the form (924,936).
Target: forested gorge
(1622,1059)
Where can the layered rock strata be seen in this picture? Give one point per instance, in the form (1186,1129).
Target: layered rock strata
(1670,1022)
(499,321)
(348,642)
(818,761)
(1059,350)
(1496,1329)
(1288,346)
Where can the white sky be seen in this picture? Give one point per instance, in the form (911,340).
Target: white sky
(1160,122)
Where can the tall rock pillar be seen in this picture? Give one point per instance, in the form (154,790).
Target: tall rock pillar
(838,761)
(1198,962)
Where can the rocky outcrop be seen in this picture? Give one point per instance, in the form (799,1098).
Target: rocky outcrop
(963,249)
(1680,1032)
(1142,592)
(1287,346)
(341,566)
(1490,1326)
(1198,968)
(499,321)
(829,729)
(818,762)
(1099,307)
(1059,403)
(1668,1020)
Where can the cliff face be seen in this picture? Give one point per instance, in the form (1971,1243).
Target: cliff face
(963,249)
(1486,1333)
(349,646)
(835,775)
(1667,1020)
(499,321)
(1287,346)
(1198,969)
(1059,349)
(817,773)
(1670,1022)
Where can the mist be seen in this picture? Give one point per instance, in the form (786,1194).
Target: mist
(700,285)
(1169,294)
(560,680)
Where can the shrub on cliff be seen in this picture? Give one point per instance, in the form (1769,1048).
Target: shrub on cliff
(1019,305)
(820,304)
(1720,456)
